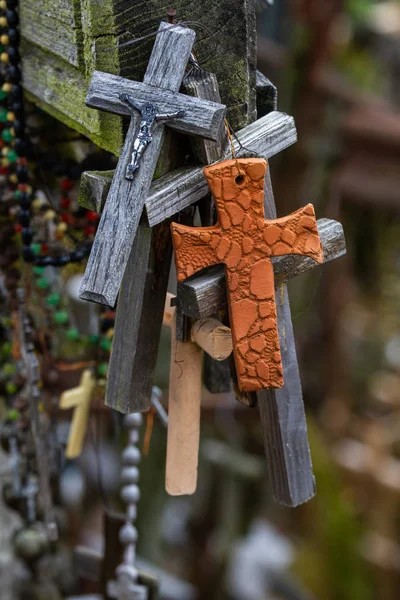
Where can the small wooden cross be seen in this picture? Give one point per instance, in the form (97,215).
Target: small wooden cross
(127,195)
(78,398)
(245,241)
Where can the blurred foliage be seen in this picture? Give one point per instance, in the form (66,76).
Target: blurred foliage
(329,562)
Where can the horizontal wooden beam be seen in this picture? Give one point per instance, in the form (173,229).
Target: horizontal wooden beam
(201,117)
(205,294)
(177,190)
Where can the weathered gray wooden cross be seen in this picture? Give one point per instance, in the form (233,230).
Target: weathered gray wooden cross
(127,194)
(138,322)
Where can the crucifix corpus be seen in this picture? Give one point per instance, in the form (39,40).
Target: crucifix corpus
(150,104)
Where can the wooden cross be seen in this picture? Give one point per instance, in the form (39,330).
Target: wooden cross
(245,242)
(127,196)
(80,399)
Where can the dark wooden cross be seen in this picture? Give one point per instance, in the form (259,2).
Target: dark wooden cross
(244,241)
(126,198)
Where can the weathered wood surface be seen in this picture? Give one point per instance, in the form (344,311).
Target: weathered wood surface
(138,320)
(183,416)
(205,294)
(124,206)
(177,190)
(282,410)
(201,117)
(78,36)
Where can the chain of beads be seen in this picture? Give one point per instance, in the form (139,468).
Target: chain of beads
(14,146)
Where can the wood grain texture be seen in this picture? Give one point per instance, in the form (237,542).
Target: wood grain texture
(138,320)
(202,84)
(54,26)
(177,190)
(213,337)
(123,209)
(244,241)
(226,44)
(282,410)
(183,416)
(204,294)
(201,117)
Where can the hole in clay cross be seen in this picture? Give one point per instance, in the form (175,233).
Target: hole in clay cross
(239,179)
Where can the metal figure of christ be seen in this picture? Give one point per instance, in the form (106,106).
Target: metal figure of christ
(245,241)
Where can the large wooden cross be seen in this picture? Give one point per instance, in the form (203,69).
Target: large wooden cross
(136,166)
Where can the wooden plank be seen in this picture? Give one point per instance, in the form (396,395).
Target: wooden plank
(282,410)
(183,416)
(201,117)
(226,45)
(120,218)
(138,320)
(205,294)
(54,25)
(177,190)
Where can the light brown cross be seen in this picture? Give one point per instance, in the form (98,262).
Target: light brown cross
(80,399)
(244,241)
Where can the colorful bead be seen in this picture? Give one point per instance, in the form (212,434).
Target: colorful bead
(61,317)
(49,215)
(11,387)
(4,39)
(38,270)
(102,369)
(73,333)
(13,414)
(36,248)
(3,115)
(53,299)
(7,135)
(42,282)
(106,344)
(12,156)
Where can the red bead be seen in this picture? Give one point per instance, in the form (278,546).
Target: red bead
(91,215)
(67,184)
(44,248)
(89,230)
(3,170)
(23,187)
(65,202)
(18,228)
(22,161)
(65,217)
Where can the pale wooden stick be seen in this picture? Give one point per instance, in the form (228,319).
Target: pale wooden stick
(183,416)
(213,337)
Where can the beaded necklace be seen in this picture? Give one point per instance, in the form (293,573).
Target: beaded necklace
(14,144)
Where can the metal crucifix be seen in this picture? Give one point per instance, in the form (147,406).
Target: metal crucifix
(158,101)
(149,118)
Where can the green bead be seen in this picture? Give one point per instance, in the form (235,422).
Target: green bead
(3,115)
(53,299)
(42,283)
(3,94)
(105,344)
(12,156)
(6,348)
(73,333)
(11,388)
(94,339)
(36,248)
(38,270)
(13,415)
(6,135)
(9,369)
(102,369)
(61,317)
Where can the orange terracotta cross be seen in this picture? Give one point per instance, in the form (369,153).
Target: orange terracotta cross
(244,241)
